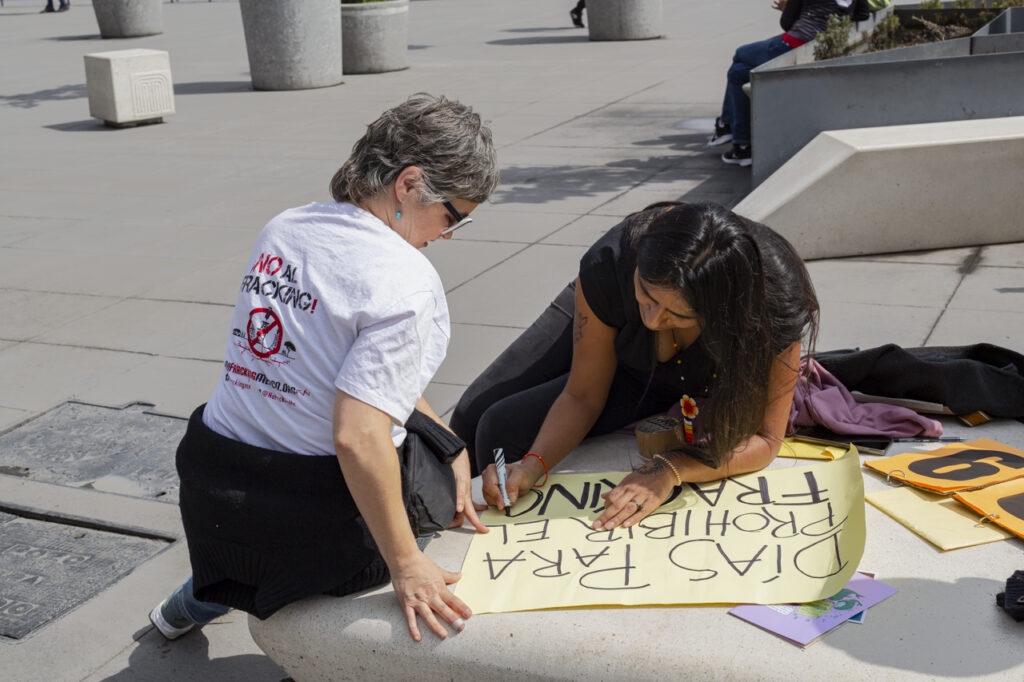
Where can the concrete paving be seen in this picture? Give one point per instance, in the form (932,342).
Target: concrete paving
(120,250)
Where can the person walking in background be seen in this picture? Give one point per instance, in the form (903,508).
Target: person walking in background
(64,6)
(801,21)
(576,13)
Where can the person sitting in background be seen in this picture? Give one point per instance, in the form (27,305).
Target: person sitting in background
(291,483)
(801,20)
(685,303)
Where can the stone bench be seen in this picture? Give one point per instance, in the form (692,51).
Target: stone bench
(129,87)
(943,621)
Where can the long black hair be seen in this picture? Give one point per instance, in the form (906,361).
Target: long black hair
(753,298)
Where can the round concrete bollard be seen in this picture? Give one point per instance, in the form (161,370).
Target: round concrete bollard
(292,44)
(128,18)
(624,19)
(375,36)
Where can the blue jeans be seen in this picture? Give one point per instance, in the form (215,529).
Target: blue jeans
(736,107)
(183,608)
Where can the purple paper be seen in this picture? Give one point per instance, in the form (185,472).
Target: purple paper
(804,623)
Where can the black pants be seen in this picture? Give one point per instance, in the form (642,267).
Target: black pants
(506,405)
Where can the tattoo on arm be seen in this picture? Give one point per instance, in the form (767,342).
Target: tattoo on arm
(651,467)
(577,327)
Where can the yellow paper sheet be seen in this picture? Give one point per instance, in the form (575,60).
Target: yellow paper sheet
(942,521)
(961,466)
(1004,501)
(779,535)
(803,450)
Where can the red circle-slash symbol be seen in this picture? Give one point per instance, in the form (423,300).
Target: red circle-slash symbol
(264,332)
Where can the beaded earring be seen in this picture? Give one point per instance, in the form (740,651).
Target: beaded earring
(398,215)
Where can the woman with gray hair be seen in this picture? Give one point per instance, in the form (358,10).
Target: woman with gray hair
(295,476)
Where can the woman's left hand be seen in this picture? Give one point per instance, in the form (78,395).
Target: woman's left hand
(639,494)
(464,507)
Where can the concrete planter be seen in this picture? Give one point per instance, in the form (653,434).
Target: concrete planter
(292,44)
(793,98)
(128,18)
(624,19)
(375,36)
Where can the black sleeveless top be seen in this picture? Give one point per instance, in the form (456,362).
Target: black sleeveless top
(606,275)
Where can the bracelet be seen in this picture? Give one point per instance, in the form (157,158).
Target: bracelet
(679,479)
(543,464)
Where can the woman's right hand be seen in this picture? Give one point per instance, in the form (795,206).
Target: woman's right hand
(421,587)
(519,480)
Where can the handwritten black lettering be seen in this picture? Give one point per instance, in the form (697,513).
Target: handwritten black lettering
(503,563)
(965,465)
(618,582)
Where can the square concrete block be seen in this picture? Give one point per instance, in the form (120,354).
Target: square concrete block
(129,87)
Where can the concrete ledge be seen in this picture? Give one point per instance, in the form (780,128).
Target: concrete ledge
(898,188)
(943,622)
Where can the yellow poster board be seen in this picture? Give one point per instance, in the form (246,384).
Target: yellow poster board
(960,466)
(1003,504)
(775,536)
(940,520)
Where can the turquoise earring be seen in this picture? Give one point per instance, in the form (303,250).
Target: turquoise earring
(398,215)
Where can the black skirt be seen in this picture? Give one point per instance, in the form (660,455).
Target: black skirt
(266,528)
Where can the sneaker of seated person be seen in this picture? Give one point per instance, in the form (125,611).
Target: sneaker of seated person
(168,626)
(722,134)
(739,155)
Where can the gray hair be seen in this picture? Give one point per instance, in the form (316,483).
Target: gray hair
(443,138)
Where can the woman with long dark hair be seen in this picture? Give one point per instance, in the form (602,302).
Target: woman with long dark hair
(686,303)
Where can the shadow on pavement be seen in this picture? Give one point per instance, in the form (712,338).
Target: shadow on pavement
(87,36)
(699,175)
(84,126)
(552,40)
(537,30)
(188,658)
(940,626)
(212,87)
(30,100)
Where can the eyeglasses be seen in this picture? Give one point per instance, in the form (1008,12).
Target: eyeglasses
(460,220)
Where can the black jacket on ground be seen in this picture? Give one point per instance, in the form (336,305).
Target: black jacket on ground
(963,378)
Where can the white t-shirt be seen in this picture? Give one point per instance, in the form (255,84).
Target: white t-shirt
(332,299)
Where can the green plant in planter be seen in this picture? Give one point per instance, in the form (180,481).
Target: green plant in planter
(930,4)
(886,33)
(832,41)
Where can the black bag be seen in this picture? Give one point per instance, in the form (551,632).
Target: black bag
(428,483)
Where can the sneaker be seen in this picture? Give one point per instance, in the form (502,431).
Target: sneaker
(722,134)
(48,9)
(739,155)
(64,7)
(577,17)
(156,616)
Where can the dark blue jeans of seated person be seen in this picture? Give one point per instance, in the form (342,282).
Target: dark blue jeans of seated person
(736,107)
(505,406)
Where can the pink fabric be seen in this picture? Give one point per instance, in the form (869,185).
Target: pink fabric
(822,399)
